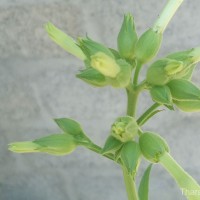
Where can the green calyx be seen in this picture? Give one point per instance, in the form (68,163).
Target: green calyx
(90,48)
(153,146)
(57,144)
(148,46)
(127,38)
(124,128)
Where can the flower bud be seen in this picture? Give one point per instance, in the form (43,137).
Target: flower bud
(188,106)
(90,48)
(64,41)
(161,71)
(148,45)
(127,37)
(152,146)
(106,65)
(58,144)
(124,128)
(184,90)
(92,77)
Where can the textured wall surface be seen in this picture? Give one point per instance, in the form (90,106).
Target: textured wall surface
(37,84)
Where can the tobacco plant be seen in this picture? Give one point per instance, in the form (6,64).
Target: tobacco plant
(168,81)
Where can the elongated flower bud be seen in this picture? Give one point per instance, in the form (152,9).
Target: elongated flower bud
(153,146)
(64,41)
(188,106)
(124,128)
(127,37)
(58,144)
(184,90)
(148,45)
(190,188)
(161,71)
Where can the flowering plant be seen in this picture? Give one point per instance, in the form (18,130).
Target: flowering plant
(168,81)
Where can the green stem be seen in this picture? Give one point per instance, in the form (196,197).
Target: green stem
(136,75)
(147,114)
(132,102)
(98,150)
(132,97)
(130,185)
(166,15)
(188,185)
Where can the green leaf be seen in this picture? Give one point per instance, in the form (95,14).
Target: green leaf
(143,190)
(188,106)
(111,145)
(130,156)
(184,90)
(161,95)
(73,128)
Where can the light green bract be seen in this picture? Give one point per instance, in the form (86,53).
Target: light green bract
(168,82)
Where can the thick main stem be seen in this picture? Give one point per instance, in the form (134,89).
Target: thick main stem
(130,185)
(166,15)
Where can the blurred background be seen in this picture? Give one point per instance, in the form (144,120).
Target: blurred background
(37,84)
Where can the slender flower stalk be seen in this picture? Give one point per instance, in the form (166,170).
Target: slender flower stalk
(166,15)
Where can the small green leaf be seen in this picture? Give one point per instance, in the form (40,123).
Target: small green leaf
(143,190)
(111,145)
(184,90)
(73,128)
(161,95)
(130,156)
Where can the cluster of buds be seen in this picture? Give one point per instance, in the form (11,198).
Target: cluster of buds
(169,80)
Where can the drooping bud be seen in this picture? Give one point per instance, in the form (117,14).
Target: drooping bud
(188,106)
(148,45)
(152,146)
(58,144)
(64,41)
(127,37)
(184,90)
(124,128)
(161,71)
(106,65)
(92,77)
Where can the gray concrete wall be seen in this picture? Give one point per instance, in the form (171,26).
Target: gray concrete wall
(37,84)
